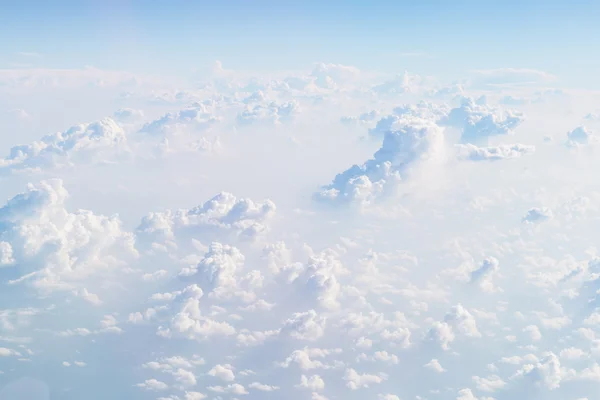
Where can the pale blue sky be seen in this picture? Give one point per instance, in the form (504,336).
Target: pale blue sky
(556,36)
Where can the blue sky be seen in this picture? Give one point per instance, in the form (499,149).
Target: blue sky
(272,35)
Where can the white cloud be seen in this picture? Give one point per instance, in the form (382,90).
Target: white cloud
(410,142)
(234,388)
(355,381)
(401,84)
(313,383)
(71,247)
(272,113)
(4,352)
(100,141)
(435,365)
(489,384)
(480,121)
(153,385)
(262,387)
(199,117)
(330,75)
(466,394)
(305,326)
(223,372)
(493,153)
(224,212)
(388,397)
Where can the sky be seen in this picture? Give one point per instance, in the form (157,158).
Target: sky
(274,35)
(353,200)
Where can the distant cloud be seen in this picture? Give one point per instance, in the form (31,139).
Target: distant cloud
(502,152)
(18,113)
(581,136)
(511,76)
(25,77)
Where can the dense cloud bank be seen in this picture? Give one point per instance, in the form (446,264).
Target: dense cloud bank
(318,235)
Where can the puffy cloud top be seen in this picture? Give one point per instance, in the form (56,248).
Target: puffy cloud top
(272,113)
(502,152)
(479,121)
(406,143)
(224,211)
(197,117)
(59,247)
(99,140)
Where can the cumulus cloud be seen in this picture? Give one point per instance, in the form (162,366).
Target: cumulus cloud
(59,249)
(401,84)
(224,212)
(480,121)
(272,113)
(199,117)
(404,146)
(355,380)
(435,365)
(330,75)
(581,136)
(100,141)
(313,383)
(493,153)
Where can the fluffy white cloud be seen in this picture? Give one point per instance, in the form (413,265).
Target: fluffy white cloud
(198,117)
(272,113)
(223,372)
(480,121)
(100,141)
(59,249)
(493,153)
(435,366)
(355,381)
(401,84)
(405,145)
(308,325)
(330,75)
(313,383)
(153,384)
(224,212)
(262,387)
(234,388)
